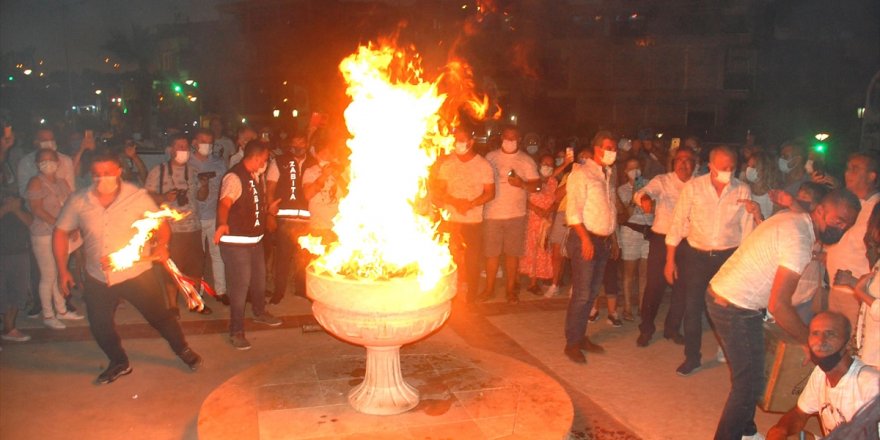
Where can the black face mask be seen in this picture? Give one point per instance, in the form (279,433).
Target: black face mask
(827,363)
(831,235)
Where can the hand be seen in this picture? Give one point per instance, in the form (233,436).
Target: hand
(65,282)
(670,272)
(273,207)
(203,182)
(647,204)
(845,278)
(160,253)
(220,232)
(170,196)
(88,143)
(515,181)
(587,249)
(781,198)
(752,207)
(12,204)
(271,223)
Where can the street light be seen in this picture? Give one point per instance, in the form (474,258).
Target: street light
(98,92)
(27,71)
(276,113)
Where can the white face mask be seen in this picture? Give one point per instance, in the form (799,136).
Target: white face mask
(634,173)
(546,171)
(204,149)
(723,176)
(784,165)
(48,166)
(808,166)
(558,161)
(508,147)
(106,184)
(51,145)
(461,148)
(181,157)
(752,174)
(532,149)
(608,157)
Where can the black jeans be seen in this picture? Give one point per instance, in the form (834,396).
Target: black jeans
(742,338)
(245,280)
(289,253)
(696,270)
(144,293)
(655,286)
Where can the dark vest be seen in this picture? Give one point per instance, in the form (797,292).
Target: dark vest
(246,216)
(289,189)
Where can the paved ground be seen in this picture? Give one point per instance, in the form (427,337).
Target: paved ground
(46,390)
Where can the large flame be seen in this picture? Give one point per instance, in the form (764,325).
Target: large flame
(384,230)
(131,253)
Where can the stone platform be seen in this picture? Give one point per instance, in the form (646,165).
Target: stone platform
(465,394)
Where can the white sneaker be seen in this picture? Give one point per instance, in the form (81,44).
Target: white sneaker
(755,436)
(15,335)
(54,323)
(551,291)
(70,316)
(719,356)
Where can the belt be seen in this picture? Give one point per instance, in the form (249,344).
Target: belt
(713,252)
(637,227)
(240,239)
(301,213)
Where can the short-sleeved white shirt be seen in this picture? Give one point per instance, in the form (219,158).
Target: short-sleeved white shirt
(466,180)
(509,201)
(837,405)
(324,205)
(174,178)
(105,231)
(785,240)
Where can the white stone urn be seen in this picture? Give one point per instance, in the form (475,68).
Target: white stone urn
(381,316)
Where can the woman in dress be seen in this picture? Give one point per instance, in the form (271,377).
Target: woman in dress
(537,261)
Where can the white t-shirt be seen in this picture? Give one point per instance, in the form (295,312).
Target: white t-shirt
(466,180)
(849,252)
(837,405)
(324,205)
(785,240)
(509,201)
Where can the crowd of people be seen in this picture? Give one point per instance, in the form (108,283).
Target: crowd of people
(742,234)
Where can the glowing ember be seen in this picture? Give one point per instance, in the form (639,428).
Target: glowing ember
(384,231)
(131,253)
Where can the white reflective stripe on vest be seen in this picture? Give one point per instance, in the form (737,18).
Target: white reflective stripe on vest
(240,239)
(294,213)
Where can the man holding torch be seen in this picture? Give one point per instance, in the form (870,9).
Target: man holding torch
(104,213)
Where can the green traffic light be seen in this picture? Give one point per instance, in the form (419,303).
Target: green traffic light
(11,77)
(820,147)
(176,87)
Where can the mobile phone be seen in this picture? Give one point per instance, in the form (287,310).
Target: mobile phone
(207,175)
(511,173)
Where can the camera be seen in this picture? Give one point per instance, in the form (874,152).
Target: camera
(208,175)
(182,197)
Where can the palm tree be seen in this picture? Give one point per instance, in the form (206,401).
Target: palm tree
(138,47)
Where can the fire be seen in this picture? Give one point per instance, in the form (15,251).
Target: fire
(383,230)
(131,253)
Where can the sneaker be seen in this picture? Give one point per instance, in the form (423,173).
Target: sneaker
(112,373)
(719,356)
(643,340)
(575,355)
(54,323)
(190,358)
(239,342)
(594,315)
(551,291)
(627,316)
(267,319)
(688,368)
(591,347)
(70,315)
(15,335)
(614,320)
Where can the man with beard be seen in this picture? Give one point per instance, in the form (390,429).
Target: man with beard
(763,274)
(839,386)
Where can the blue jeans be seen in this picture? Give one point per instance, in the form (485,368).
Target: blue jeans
(586,279)
(741,334)
(245,280)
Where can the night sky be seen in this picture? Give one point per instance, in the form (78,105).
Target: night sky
(40,24)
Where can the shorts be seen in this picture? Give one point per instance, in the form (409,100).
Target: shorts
(633,245)
(507,236)
(559,230)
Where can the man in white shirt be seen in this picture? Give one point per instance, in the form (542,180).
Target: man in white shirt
(465,182)
(839,386)
(245,135)
(516,174)
(849,254)
(209,170)
(711,214)
(662,192)
(763,274)
(592,216)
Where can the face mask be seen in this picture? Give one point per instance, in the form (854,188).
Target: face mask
(204,149)
(106,184)
(625,145)
(784,165)
(608,157)
(808,166)
(558,161)
(831,235)
(181,156)
(634,173)
(508,147)
(723,176)
(461,148)
(48,166)
(752,174)
(827,363)
(532,149)
(546,171)
(51,145)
